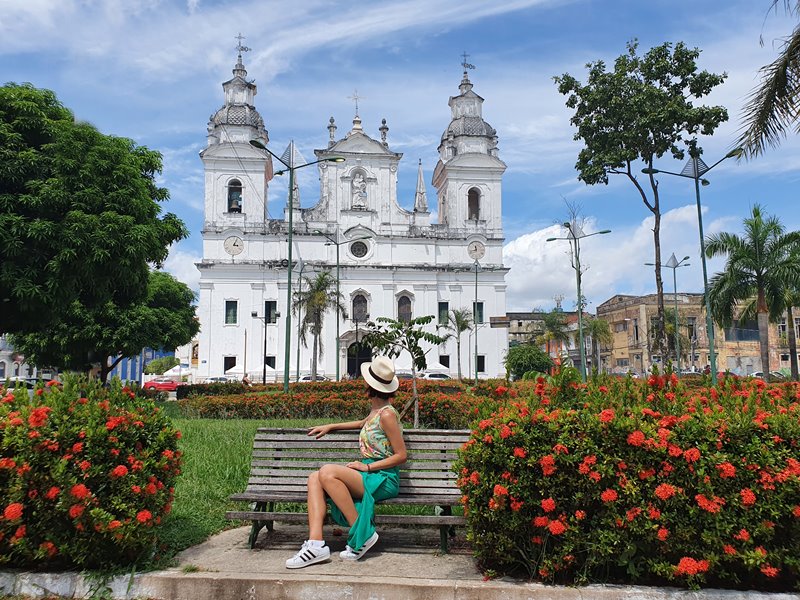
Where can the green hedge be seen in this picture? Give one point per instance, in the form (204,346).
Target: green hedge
(86,475)
(444,405)
(639,481)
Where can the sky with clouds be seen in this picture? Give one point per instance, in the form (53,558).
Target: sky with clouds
(152,70)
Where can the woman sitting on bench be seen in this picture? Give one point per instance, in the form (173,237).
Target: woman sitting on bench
(352,490)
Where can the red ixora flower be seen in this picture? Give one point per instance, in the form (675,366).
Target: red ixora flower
(665,491)
(541,522)
(770,571)
(692,455)
(663,534)
(607,415)
(609,495)
(38,416)
(119,471)
(556,527)
(742,536)
(748,497)
(13,511)
(520,452)
(690,566)
(52,493)
(500,490)
(144,516)
(636,438)
(548,505)
(79,491)
(726,470)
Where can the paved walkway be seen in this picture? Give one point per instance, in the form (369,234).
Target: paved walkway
(404,565)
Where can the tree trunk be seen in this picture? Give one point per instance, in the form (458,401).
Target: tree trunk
(458,355)
(763,339)
(660,341)
(314,357)
(792,337)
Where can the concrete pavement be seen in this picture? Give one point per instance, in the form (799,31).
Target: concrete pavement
(404,565)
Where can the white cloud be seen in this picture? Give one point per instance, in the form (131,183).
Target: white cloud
(611,264)
(181,264)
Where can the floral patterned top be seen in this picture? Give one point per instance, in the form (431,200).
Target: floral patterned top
(372,439)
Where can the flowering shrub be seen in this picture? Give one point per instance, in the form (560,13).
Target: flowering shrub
(441,405)
(643,481)
(86,475)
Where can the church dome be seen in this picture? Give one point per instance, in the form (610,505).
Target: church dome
(469,125)
(237,114)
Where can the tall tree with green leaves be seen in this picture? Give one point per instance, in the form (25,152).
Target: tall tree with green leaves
(553,329)
(759,267)
(644,108)
(79,213)
(525,358)
(599,331)
(774,105)
(459,320)
(86,335)
(392,337)
(313,300)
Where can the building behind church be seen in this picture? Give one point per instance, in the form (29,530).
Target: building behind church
(393,262)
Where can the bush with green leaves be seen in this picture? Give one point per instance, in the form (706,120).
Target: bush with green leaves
(157,366)
(639,481)
(86,475)
(524,358)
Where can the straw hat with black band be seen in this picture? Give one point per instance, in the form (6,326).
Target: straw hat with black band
(379,375)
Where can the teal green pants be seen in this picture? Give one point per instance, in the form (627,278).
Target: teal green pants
(378,485)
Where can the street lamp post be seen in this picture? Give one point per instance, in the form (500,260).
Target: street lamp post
(694,169)
(475,318)
(299,319)
(674,264)
(575,234)
(254,314)
(291,168)
(337,242)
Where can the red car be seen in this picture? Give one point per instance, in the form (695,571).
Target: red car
(162,385)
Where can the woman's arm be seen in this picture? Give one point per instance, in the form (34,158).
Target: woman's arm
(321,430)
(391,427)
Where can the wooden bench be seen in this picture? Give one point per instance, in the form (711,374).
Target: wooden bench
(284,458)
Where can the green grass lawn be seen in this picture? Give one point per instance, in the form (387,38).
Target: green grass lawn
(216,464)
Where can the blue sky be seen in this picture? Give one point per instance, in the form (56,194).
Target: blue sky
(151,70)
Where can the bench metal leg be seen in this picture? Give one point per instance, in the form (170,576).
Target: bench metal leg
(445,531)
(258,525)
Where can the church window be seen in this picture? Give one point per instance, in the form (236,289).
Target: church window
(271,311)
(473,204)
(228,362)
(477,312)
(404,309)
(231,312)
(444,360)
(481,363)
(270,360)
(444,308)
(358,249)
(2,369)
(360,308)
(235,196)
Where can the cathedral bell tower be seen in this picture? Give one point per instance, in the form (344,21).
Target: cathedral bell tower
(468,175)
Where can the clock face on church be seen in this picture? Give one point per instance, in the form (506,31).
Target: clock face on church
(476,250)
(233,245)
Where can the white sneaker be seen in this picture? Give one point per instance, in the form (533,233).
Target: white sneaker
(308,555)
(350,554)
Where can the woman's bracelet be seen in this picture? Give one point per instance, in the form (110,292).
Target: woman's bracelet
(369,470)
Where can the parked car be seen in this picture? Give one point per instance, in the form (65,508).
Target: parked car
(774,375)
(27,382)
(319,378)
(435,375)
(162,384)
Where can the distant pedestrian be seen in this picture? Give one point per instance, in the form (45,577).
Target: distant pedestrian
(246,381)
(351,490)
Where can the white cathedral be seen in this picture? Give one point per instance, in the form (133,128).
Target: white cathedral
(393,262)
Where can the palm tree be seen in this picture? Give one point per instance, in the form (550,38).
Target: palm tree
(600,332)
(760,266)
(772,106)
(458,321)
(313,300)
(553,328)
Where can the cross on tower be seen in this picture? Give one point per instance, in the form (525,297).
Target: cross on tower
(464,62)
(355,97)
(239,46)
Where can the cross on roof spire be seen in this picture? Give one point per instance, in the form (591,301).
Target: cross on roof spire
(355,97)
(239,47)
(464,62)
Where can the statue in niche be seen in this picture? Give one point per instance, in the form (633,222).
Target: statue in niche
(359,187)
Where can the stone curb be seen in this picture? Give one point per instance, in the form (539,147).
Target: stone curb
(176,585)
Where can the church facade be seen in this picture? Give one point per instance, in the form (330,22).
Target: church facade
(392,261)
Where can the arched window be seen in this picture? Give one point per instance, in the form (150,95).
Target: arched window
(404,309)
(2,369)
(360,308)
(473,204)
(235,196)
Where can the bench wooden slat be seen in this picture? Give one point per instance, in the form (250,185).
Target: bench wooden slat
(300,498)
(304,473)
(385,519)
(347,437)
(321,455)
(317,444)
(313,465)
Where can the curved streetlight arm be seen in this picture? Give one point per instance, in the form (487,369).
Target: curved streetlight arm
(260,146)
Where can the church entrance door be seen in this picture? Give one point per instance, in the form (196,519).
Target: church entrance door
(357,354)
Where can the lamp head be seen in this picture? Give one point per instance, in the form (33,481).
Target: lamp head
(735,153)
(604,231)
(684,258)
(649,264)
(650,171)
(258,144)
(568,225)
(335,159)
(705,182)
(551,239)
